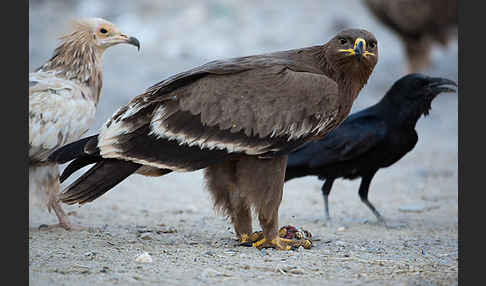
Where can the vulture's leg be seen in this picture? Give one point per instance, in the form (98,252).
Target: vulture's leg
(221,182)
(261,181)
(363,194)
(326,189)
(45,180)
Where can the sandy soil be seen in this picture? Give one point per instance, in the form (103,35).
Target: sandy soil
(171,218)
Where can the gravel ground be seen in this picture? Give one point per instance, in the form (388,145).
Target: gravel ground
(171,218)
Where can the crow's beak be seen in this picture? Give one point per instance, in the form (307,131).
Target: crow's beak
(440,85)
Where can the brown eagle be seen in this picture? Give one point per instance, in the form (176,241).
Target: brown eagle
(237,118)
(419,24)
(63,95)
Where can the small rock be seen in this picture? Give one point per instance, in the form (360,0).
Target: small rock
(144,258)
(169,230)
(209,253)
(230,252)
(341,228)
(209,272)
(296,270)
(340,243)
(191,209)
(417,208)
(146,236)
(143,229)
(90,255)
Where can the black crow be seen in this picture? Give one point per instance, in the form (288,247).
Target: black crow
(371,139)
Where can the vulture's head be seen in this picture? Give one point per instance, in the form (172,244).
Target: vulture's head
(101,33)
(353,51)
(412,95)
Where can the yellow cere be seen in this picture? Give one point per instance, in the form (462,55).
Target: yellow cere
(352,52)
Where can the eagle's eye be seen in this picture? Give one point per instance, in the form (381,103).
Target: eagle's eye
(372,45)
(103,31)
(342,41)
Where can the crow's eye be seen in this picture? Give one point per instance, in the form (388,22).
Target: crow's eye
(372,45)
(103,31)
(342,41)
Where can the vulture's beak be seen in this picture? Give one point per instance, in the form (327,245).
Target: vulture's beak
(134,41)
(358,50)
(129,40)
(441,85)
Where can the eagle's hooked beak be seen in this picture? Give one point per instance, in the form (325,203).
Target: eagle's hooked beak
(358,50)
(359,45)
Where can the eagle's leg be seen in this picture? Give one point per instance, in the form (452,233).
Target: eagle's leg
(221,182)
(241,219)
(261,182)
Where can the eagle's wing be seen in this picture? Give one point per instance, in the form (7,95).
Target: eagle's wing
(58,114)
(350,140)
(191,120)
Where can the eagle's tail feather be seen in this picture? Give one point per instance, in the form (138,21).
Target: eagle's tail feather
(73,150)
(78,164)
(103,176)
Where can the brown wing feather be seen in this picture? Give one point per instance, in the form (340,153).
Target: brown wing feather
(256,111)
(273,101)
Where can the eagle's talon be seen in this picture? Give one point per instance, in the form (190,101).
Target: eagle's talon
(283,243)
(248,239)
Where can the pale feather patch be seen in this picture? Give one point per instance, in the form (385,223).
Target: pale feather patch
(159,128)
(58,113)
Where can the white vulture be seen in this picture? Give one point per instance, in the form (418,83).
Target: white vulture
(63,95)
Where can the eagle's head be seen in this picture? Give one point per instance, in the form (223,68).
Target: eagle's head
(354,53)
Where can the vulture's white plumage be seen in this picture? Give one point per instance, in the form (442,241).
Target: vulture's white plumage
(63,95)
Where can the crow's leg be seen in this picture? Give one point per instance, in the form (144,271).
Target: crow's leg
(363,194)
(326,189)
